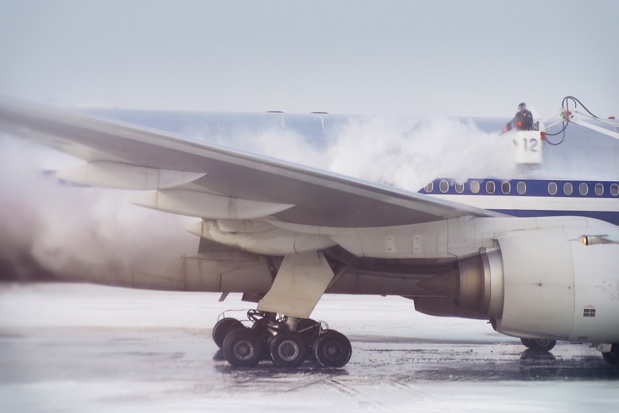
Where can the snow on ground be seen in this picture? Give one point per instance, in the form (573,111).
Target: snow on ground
(72,305)
(83,348)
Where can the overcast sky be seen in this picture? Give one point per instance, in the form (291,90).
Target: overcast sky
(477,58)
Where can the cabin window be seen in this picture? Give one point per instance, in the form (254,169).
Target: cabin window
(430,187)
(475,187)
(583,188)
(521,188)
(490,187)
(552,188)
(614,189)
(443,186)
(568,188)
(459,188)
(599,189)
(506,187)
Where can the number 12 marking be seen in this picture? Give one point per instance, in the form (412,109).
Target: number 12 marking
(532,147)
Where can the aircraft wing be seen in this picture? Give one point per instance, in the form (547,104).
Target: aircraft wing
(214,182)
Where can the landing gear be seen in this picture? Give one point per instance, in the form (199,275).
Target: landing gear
(332,349)
(223,327)
(538,344)
(287,341)
(288,349)
(243,348)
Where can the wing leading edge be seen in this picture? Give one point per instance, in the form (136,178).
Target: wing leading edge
(218,176)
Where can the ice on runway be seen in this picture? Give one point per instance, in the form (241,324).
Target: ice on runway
(75,348)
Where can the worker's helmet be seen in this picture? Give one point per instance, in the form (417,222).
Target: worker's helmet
(522,105)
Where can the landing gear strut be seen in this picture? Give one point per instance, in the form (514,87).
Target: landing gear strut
(287,341)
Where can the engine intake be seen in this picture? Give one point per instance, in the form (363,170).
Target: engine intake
(474,291)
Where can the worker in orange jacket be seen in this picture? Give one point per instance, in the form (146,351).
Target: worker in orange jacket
(523,120)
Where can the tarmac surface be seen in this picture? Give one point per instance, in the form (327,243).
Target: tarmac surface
(77,348)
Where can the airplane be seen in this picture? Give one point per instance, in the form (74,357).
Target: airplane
(534,254)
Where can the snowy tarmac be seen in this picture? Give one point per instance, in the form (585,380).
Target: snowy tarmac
(83,348)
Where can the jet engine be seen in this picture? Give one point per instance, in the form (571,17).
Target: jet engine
(551,283)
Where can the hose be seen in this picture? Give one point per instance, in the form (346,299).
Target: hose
(565,105)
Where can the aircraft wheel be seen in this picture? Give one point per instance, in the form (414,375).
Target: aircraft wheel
(223,327)
(612,357)
(539,344)
(332,349)
(243,348)
(288,349)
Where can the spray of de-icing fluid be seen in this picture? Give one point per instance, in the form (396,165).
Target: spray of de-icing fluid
(70,231)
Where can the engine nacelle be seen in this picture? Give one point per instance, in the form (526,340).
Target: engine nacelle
(559,288)
(549,283)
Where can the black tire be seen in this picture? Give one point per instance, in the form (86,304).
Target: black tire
(332,349)
(612,357)
(288,349)
(223,327)
(539,344)
(243,348)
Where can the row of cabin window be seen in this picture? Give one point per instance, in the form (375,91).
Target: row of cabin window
(521,188)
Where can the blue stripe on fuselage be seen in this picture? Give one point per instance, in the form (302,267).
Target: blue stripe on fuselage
(532,187)
(549,189)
